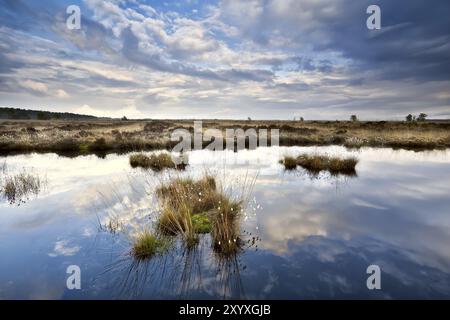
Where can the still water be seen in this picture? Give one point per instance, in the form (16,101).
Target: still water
(315,235)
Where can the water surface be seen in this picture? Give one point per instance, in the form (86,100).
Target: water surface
(316,235)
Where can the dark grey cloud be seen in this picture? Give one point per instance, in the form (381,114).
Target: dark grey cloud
(414,42)
(309,64)
(279,58)
(299,86)
(252,75)
(8,65)
(18,15)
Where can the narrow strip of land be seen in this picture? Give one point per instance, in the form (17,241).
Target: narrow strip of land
(106,136)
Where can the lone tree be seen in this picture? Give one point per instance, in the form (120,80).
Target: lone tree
(409,118)
(301,119)
(353,118)
(422,116)
(124,118)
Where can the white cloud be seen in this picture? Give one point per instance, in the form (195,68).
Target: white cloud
(137,60)
(62,249)
(129,111)
(60,93)
(35,86)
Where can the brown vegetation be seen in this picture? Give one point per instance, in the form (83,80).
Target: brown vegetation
(156,162)
(104,136)
(316,163)
(192,207)
(16,188)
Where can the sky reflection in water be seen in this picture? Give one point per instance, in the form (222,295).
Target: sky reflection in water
(318,234)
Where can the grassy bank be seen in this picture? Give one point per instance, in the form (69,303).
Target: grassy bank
(107,136)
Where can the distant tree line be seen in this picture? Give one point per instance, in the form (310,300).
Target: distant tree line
(23,114)
(421,117)
(409,118)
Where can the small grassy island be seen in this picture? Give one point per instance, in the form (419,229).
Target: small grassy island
(317,163)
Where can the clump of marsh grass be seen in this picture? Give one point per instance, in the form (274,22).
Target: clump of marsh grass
(161,161)
(318,163)
(225,231)
(146,245)
(192,207)
(290,163)
(198,196)
(186,205)
(155,162)
(19,186)
(139,160)
(334,165)
(226,234)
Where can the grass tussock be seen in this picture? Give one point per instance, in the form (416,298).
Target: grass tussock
(155,162)
(290,163)
(139,160)
(198,195)
(318,163)
(15,188)
(225,230)
(185,207)
(190,208)
(146,245)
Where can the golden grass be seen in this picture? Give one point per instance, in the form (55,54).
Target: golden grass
(155,162)
(139,160)
(317,163)
(181,199)
(79,137)
(199,196)
(290,163)
(192,207)
(334,165)
(225,232)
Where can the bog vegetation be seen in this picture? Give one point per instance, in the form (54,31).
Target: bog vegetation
(317,163)
(156,162)
(104,136)
(190,208)
(18,187)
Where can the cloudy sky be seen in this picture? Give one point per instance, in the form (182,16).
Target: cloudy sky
(227,59)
